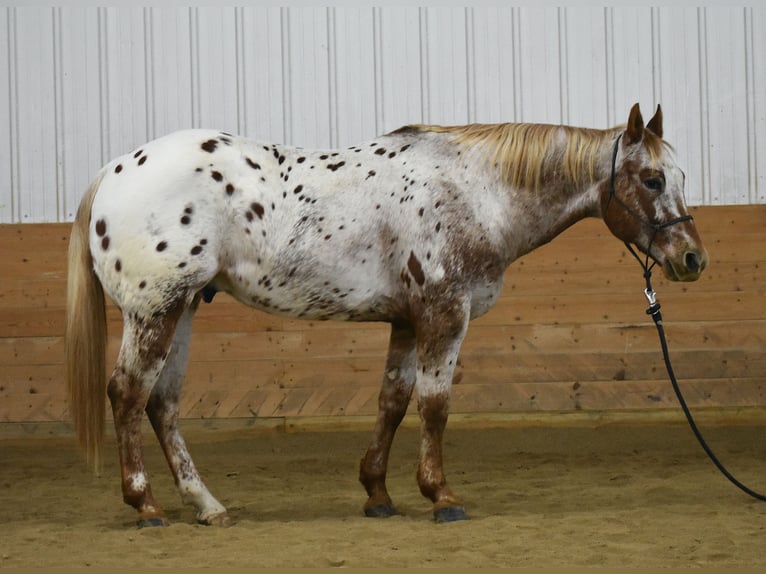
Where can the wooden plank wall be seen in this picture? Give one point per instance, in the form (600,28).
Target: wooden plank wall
(569,333)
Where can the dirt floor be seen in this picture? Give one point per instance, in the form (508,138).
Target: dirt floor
(612,496)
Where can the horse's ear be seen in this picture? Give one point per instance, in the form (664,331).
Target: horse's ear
(635,129)
(655,124)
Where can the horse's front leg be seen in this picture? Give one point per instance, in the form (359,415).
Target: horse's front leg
(394,398)
(439,336)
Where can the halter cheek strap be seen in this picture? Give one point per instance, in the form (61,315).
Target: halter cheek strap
(655,227)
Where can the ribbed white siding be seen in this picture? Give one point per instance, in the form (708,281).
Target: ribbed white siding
(81,85)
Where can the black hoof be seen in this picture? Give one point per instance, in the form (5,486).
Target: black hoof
(151,522)
(450,514)
(381,511)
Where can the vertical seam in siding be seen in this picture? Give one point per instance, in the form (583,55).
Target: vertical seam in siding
(103,83)
(148,25)
(518,100)
(611,104)
(563,66)
(425,92)
(332,75)
(239,56)
(287,96)
(704,106)
(656,59)
(194,88)
(58,114)
(13,112)
(470,65)
(377,62)
(752,163)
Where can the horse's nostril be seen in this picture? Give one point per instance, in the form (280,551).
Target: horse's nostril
(693,261)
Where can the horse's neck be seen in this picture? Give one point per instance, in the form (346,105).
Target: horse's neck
(541,215)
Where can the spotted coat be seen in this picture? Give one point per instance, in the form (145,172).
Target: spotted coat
(364,233)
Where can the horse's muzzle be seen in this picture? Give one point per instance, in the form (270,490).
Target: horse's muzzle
(688,267)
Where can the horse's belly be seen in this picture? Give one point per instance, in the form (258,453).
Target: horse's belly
(292,292)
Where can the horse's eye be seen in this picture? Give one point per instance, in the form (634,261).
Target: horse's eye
(654,183)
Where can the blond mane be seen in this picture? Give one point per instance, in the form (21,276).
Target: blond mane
(522,152)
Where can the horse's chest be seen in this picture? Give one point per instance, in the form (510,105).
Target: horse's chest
(484,296)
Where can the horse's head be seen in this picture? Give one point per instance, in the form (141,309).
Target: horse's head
(643,202)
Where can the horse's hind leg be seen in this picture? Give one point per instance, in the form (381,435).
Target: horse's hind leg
(143,352)
(162,409)
(398,381)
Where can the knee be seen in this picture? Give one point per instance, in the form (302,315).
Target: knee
(434,410)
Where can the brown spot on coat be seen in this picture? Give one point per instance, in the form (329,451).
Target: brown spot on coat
(258,209)
(142,161)
(100,227)
(252,164)
(216,175)
(118,169)
(416,270)
(209,146)
(196,250)
(105,243)
(336,166)
(162,246)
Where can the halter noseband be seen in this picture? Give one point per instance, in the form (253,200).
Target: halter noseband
(655,227)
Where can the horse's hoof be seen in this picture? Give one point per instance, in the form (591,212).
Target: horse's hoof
(381,511)
(221,520)
(151,522)
(450,514)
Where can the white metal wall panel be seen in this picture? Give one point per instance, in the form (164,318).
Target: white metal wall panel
(79,100)
(170,69)
(36,116)
(726,105)
(630,65)
(584,67)
(540,63)
(265,99)
(128,103)
(681,94)
(217,73)
(446,66)
(353,80)
(79,85)
(493,60)
(400,80)
(308,70)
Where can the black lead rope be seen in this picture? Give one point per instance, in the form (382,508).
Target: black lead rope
(654,311)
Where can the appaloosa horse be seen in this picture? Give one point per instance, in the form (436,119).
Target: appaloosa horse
(415,228)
